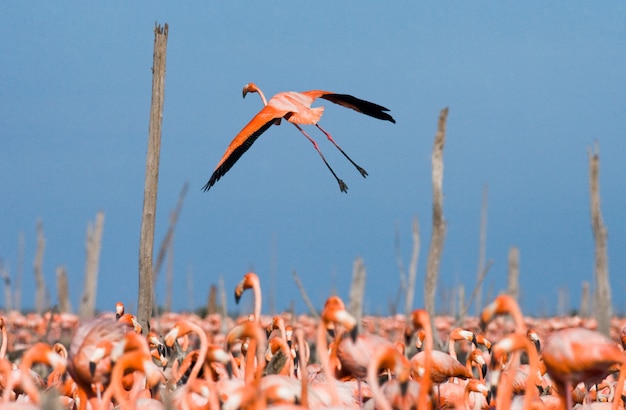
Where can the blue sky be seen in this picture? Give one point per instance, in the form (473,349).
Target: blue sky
(530,87)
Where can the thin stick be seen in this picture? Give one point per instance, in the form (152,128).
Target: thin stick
(305,297)
(175,214)
(148,216)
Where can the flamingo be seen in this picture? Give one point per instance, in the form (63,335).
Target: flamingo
(136,361)
(456,335)
(5,341)
(250,281)
(83,347)
(577,355)
(503,305)
(295,107)
(395,390)
(25,377)
(420,319)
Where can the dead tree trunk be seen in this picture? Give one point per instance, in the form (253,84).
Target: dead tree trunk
(170,230)
(63,293)
(584,301)
(148,217)
(93,246)
(439,224)
(410,291)
(6,278)
(513,288)
(482,251)
(357,289)
(20,272)
(40,293)
(602,299)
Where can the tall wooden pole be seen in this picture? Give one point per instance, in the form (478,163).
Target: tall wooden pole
(602,298)
(146,240)
(438,232)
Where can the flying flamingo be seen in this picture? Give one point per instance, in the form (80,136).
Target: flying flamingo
(295,107)
(577,355)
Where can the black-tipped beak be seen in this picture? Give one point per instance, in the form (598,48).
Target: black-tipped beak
(162,350)
(237,296)
(92,368)
(474,340)
(117,316)
(354,333)
(489,397)
(492,393)
(229,369)
(537,345)
(244,92)
(404,387)
(484,369)
(483,326)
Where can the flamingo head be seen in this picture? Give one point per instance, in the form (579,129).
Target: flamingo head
(249,88)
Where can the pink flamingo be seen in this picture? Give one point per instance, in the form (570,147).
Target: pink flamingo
(577,355)
(295,107)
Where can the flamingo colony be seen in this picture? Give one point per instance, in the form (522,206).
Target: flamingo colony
(500,360)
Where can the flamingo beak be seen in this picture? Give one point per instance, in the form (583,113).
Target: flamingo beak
(354,332)
(484,369)
(404,387)
(229,369)
(92,368)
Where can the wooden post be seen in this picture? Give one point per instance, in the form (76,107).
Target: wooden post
(410,291)
(602,298)
(357,289)
(40,293)
(63,293)
(482,250)
(584,301)
(6,278)
(20,273)
(438,232)
(513,288)
(93,245)
(148,216)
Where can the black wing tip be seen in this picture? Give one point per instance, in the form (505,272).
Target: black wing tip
(214,178)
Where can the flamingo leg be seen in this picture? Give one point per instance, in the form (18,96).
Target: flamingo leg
(330,138)
(342,185)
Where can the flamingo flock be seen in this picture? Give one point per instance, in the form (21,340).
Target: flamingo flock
(501,360)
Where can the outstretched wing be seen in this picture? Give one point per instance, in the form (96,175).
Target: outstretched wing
(362,106)
(242,142)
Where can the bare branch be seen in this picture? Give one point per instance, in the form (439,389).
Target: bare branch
(304,295)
